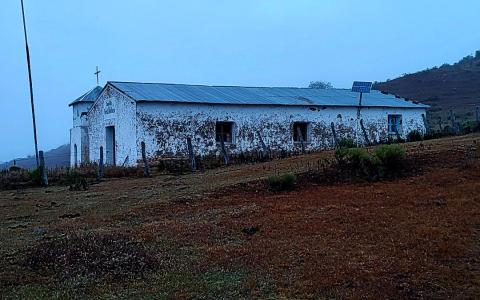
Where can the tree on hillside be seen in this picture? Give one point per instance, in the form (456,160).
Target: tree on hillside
(324,85)
(466,60)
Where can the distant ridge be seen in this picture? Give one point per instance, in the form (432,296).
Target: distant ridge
(58,157)
(447,87)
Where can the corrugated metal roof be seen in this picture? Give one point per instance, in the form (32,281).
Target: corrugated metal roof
(164,92)
(89,96)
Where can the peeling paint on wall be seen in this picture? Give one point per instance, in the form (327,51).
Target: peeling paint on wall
(165,127)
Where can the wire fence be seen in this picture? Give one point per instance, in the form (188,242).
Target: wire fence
(446,126)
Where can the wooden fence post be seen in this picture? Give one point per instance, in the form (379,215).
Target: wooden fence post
(424,118)
(365,135)
(100,166)
(454,123)
(193,164)
(399,137)
(224,151)
(265,151)
(440,124)
(125,161)
(43,170)
(146,169)
(335,139)
(302,141)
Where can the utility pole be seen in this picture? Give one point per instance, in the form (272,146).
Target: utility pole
(31,86)
(359,105)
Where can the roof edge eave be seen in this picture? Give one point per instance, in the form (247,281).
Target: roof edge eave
(416,106)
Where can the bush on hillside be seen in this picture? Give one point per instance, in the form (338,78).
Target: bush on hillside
(284,182)
(414,136)
(14,169)
(391,159)
(13,179)
(76,181)
(357,161)
(346,143)
(469,127)
(35,177)
(388,161)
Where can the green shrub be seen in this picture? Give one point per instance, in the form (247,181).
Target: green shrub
(350,155)
(35,176)
(391,159)
(75,180)
(13,179)
(469,127)
(347,143)
(448,130)
(388,161)
(284,182)
(414,136)
(14,169)
(358,161)
(476,127)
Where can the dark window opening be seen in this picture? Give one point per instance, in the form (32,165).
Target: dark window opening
(300,132)
(224,131)
(75,155)
(394,124)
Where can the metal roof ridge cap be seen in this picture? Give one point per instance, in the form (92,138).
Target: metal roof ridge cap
(227,86)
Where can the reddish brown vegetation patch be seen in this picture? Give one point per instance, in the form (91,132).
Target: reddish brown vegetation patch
(93,255)
(416,237)
(222,234)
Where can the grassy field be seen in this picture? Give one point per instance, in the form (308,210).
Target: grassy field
(222,235)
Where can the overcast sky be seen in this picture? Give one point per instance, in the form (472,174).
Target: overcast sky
(247,42)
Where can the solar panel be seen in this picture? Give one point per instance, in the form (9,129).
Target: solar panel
(361,87)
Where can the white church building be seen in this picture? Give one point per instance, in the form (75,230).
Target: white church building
(122,115)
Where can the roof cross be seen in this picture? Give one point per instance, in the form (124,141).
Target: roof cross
(96,73)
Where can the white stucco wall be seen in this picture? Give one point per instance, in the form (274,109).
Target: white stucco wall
(112,108)
(79,137)
(79,134)
(77,110)
(165,126)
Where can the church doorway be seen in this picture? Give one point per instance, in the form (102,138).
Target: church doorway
(110,145)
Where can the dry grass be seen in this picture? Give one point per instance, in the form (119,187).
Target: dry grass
(218,235)
(93,255)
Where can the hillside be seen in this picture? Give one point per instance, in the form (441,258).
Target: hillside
(58,157)
(448,87)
